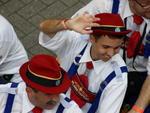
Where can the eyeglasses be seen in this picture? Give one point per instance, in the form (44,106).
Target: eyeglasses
(142,5)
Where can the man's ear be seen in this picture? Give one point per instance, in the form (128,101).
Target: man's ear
(31,95)
(92,39)
(29,91)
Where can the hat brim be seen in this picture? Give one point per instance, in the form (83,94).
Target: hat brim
(101,32)
(65,84)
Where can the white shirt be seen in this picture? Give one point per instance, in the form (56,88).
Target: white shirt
(12,53)
(105,6)
(67,44)
(23,105)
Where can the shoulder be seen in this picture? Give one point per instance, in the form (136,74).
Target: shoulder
(65,101)
(119,60)
(12,88)
(69,105)
(6,89)
(119,68)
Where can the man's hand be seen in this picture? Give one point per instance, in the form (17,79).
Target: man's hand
(82,23)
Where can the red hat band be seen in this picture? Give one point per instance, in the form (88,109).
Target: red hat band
(42,80)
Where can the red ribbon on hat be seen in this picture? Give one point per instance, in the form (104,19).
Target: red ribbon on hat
(37,110)
(137,19)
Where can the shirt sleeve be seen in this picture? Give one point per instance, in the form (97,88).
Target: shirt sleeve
(4,90)
(94,7)
(70,107)
(12,53)
(61,43)
(113,96)
(5,42)
(74,108)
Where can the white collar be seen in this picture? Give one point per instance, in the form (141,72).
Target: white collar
(98,65)
(86,57)
(146,20)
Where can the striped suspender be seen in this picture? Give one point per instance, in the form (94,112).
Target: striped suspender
(61,107)
(10,99)
(103,85)
(71,72)
(74,66)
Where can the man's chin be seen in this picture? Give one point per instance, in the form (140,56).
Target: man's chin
(49,107)
(105,59)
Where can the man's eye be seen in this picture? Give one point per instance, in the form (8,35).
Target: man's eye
(117,47)
(106,47)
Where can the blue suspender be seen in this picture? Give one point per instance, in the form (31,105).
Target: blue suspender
(103,85)
(72,71)
(74,66)
(10,99)
(61,107)
(115,7)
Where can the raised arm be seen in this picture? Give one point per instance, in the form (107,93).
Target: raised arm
(81,24)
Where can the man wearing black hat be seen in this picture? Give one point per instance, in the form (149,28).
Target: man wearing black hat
(136,15)
(97,71)
(44,81)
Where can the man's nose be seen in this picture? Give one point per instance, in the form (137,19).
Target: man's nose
(111,52)
(55,98)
